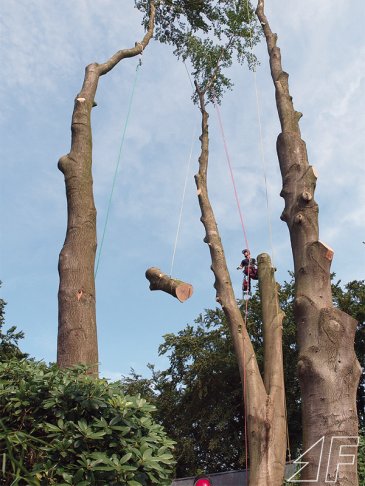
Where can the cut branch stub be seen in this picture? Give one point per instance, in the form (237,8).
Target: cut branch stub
(160,281)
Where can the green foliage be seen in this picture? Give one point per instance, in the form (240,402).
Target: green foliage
(361,458)
(351,299)
(199,396)
(9,339)
(210,34)
(63,427)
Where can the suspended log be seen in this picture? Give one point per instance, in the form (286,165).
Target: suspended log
(160,281)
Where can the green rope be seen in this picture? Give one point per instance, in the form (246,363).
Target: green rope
(117,166)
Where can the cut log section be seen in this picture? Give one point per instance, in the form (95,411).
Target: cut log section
(160,281)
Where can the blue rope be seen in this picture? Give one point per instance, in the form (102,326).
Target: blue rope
(117,166)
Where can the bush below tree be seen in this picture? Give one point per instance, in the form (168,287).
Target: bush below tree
(64,427)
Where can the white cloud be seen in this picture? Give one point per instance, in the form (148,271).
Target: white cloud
(45,50)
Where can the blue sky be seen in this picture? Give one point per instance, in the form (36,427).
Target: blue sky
(44,49)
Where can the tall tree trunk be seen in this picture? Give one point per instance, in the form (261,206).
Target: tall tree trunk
(272,318)
(263,402)
(77,335)
(328,369)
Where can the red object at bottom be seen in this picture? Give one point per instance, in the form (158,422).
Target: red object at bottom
(203,482)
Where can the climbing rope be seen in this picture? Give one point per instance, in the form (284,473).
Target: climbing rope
(187,72)
(247,246)
(264,167)
(185,186)
(118,164)
(245,394)
(216,106)
(261,147)
(183,198)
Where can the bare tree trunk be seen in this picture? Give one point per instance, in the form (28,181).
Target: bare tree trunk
(272,317)
(328,369)
(77,335)
(263,405)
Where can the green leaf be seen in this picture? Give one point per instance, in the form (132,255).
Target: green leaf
(78,476)
(125,458)
(147,454)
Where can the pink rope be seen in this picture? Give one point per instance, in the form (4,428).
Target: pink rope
(231,172)
(245,395)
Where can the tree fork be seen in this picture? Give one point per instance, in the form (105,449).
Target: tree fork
(267,448)
(77,333)
(328,369)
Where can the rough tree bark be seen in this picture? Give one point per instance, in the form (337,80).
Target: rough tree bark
(160,281)
(264,400)
(328,369)
(77,334)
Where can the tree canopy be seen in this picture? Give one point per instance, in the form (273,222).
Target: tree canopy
(210,35)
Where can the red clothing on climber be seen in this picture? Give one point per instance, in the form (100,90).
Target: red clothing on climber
(248,265)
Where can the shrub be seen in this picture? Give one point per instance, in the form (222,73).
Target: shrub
(64,427)
(361,458)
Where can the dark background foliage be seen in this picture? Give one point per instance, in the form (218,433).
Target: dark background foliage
(199,396)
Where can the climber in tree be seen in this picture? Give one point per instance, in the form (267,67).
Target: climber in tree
(249,267)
